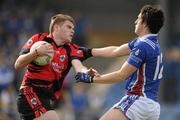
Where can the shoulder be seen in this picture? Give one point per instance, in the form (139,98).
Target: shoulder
(132,43)
(36,37)
(42,35)
(140,47)
(148,44)
(39,36)
(139,44)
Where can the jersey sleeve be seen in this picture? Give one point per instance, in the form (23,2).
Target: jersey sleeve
(76,54)
(37,37)
(132,43)
(26,48)
(137,55)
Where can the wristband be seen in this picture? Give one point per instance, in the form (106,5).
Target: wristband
(90,52)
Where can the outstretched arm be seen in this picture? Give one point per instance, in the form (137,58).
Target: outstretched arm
(119,75)
(111,51)
(78,66)
(86,74)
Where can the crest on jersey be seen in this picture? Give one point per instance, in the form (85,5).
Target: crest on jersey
(34,101)
(62,58)
(29,42)
(79,51)
(137,52)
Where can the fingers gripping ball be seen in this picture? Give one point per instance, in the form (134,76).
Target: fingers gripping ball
(43,59)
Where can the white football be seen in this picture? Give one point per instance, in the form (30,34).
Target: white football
(43,59)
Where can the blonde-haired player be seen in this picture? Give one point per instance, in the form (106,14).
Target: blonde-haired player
(41,84)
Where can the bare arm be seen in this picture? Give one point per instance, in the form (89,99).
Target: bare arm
(23,60)
(78,66)
(111,51)
(122,74)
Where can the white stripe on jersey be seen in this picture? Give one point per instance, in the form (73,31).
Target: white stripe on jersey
(161,57)
(157,68)
(161,70)
(144,72)
(149,42)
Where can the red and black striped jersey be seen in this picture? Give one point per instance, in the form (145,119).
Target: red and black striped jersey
(51,75)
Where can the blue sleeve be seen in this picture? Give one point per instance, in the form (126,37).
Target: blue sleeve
(137,55)
(131,44)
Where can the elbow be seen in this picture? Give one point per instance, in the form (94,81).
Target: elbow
(17,66)
(123,77)
(19,63)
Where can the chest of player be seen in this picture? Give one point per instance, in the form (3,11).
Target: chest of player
(61,60)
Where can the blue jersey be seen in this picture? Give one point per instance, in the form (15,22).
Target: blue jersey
(146,55)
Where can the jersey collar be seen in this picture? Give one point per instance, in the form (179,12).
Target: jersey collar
(51,36)
(149,37)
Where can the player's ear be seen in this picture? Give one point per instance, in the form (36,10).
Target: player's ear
(55,27)
(145,25)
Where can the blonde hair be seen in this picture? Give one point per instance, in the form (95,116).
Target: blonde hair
(59,18)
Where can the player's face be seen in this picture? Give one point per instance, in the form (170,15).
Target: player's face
(139,26)
(66,31)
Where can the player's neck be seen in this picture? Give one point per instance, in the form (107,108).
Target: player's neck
(144,32)
(58,40)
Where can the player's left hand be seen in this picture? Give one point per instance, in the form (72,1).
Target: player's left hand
(83,77)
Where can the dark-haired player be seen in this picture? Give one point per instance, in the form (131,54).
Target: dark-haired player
(142,70)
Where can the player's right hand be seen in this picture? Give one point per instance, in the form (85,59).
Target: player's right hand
(45,49)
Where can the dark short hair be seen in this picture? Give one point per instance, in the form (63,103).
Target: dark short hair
(153,16)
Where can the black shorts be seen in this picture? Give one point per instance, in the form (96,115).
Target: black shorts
(32,103)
